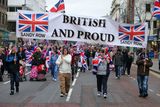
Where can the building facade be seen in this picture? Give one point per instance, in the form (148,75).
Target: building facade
(15,5)
(138,11)
(115,10)
(3,21)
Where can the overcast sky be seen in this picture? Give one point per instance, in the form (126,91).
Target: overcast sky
(84,7)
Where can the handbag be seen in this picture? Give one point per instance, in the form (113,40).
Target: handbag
(111,67)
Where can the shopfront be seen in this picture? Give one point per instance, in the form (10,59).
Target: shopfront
(153,46)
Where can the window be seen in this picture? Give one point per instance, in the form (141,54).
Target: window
(3,18)
(6,19)
(149,24)
(148,7)
(12,9)
(0,17)
(154,24)
(3,2)
(12,26)
(18,8)
(6,2)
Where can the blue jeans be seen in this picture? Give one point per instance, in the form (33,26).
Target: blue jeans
(118,70)
(142,84)
(54,71)
(14,80)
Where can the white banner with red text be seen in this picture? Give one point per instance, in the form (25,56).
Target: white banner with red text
(94,30)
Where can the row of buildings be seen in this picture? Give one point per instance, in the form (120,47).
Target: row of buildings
(8,15)
(137,11)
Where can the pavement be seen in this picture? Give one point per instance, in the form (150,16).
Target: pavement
(155,66)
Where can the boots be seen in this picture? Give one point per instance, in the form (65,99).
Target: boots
(12,92)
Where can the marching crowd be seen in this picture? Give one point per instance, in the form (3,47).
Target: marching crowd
(65,61)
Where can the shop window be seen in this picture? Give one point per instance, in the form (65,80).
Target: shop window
(154,24)
(148,7)
(18,8)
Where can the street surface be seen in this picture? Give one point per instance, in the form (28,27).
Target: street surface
(121,93)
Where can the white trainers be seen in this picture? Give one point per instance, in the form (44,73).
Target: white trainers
(54,79)
(99,94)
(61,95)
(105,95)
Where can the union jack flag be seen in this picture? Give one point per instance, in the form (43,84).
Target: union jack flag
(28,56)
(156,9)
(33,22)
(83,60)
(132,32)
(59,6)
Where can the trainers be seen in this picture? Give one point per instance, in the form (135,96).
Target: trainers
(98,94)
(105,95)
(61,95)
(54,79)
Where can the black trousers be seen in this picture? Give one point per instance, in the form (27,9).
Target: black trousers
(74,69)
(1,79)
(129,68)
(14,80)
(102,82)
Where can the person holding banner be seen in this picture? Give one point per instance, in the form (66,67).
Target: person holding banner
(143,63)
(64,63)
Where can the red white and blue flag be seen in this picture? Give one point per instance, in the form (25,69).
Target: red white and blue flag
(83,60)
(132,32)
(156,9)
(33,22)
(59,7)
(28,56)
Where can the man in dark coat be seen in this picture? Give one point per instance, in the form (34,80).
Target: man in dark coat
(13,68)
(143,63)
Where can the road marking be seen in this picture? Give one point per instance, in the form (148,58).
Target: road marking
(158,95)
(151,90)
(6,82)
(74,82)
(9,80)
(77,75)
(69,94)
(71,89)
